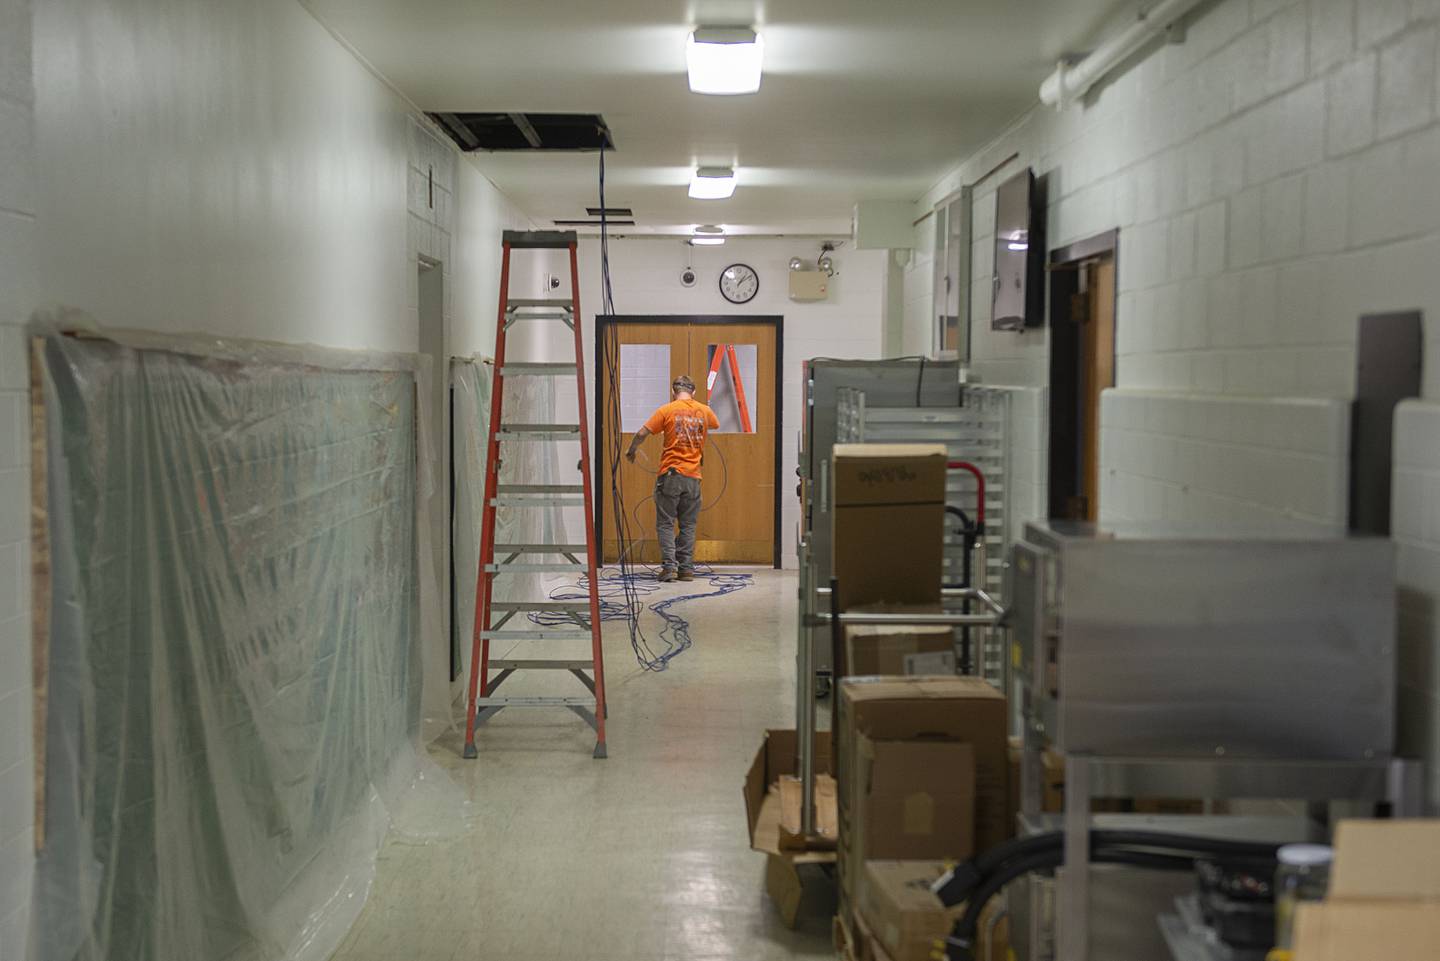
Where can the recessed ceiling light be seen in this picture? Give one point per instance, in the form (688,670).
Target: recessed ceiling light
(708,235)
(712,183)
(724,60)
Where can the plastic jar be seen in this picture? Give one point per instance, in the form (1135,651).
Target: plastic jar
(1303,875)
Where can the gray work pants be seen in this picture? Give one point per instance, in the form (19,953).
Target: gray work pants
(677,497)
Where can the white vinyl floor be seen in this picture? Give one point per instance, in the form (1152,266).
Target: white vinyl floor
(640,857)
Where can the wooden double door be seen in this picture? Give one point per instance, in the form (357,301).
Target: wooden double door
(739,520)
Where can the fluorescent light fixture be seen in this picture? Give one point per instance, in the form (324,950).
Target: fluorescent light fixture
(708,235)
(724,60)
(712,183)
(1019,245)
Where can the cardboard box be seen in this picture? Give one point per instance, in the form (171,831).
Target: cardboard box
(1362,931)
(1384,895)
(1387,859)
(913,799)
(899,650)
(966,710)
(896,904)
(888,523)
(791,876)
(897,908)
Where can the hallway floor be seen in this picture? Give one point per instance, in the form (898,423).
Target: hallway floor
(641,857)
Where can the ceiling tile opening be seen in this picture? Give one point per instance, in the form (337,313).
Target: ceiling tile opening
(526,131)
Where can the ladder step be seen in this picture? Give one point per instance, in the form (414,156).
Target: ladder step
(539,495)
(537,370)
(533,568)
(538,432)
(541,665)
(535,635)
(535,702)
(540,548)
(540,488)
(540,605)
(538,239)
(512,318)
(549,303)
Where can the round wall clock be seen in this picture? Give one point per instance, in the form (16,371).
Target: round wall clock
(739,283)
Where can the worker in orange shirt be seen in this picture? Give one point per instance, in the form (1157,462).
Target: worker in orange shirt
(684,423)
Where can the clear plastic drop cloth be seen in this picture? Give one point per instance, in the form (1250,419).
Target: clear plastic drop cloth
(527,400)
(233,672)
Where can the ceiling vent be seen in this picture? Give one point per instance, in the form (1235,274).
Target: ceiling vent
(526,131)
(614,217)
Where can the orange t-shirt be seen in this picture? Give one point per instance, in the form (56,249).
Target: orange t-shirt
(684,423)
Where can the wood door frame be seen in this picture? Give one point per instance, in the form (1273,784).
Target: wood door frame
(1063,268)
(604,321)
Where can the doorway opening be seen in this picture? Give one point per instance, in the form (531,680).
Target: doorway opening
(436,409)
(737,364)
(1082,366)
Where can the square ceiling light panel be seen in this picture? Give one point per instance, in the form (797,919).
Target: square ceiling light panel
(724,60)
(712,183)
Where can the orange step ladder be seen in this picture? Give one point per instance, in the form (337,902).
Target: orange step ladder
(499,560)
(727,352)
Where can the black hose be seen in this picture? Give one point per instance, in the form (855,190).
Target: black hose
(955,887)
(960,946)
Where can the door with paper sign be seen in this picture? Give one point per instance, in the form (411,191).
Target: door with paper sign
(734,364)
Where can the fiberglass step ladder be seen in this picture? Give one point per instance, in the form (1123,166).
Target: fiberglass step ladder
(499,560)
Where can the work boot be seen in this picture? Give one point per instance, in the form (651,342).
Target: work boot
(686,576)
(666,576)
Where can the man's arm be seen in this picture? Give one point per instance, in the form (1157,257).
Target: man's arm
(635,442)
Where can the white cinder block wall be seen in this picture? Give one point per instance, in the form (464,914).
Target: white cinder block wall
(17,298)
(1273,178)
(646,278)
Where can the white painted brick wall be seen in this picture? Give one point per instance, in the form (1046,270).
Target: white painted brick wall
(1029,456)
(1273,178)
(17,298)
(1213,459)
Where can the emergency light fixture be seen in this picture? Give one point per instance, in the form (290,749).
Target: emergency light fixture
(712,183)
(724,60)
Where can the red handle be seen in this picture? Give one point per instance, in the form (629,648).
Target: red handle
(979,479)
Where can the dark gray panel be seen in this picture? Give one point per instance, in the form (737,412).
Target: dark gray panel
(1388,371)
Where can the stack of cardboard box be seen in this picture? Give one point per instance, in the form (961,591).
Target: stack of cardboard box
(888,549)
(921,766)
(921,772)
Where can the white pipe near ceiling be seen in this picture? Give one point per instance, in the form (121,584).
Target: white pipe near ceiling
(1070,82)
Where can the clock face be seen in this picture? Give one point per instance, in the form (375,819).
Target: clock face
(739,283)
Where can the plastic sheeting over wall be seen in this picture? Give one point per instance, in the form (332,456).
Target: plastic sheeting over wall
(233,673)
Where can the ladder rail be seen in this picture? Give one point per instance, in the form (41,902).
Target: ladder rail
(586,480)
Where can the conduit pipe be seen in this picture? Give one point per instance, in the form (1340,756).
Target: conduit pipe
(1071,81)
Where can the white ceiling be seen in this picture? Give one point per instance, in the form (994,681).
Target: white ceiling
(861,99)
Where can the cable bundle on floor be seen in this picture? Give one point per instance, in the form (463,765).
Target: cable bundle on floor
(976,881)
(619,585)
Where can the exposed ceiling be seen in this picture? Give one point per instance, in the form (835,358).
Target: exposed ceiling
(861,99)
